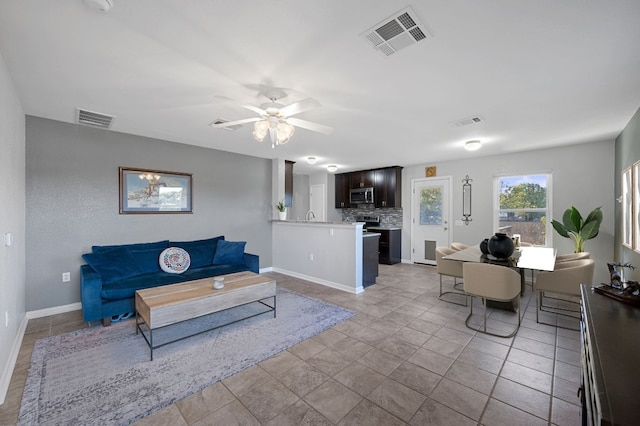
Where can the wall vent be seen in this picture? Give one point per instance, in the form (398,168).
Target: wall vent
(229,128)
(400,30)
(94,119)
(467,121)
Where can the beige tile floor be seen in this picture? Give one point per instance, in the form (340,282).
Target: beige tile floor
(405,358)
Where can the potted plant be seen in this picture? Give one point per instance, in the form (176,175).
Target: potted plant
(282,210)
(579,230)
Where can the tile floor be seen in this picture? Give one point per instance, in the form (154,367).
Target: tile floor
(405,358)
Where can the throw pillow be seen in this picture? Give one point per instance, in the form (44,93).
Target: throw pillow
(147,259)
(200,251)
(113,265)
(229,253)
(174,260)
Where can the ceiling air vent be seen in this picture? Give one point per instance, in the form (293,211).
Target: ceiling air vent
(467,121)
(94,119)
(400,30)
(229,128)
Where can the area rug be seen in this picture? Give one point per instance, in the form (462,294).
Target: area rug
(103,375)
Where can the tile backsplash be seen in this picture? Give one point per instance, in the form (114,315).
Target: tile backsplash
(388,216)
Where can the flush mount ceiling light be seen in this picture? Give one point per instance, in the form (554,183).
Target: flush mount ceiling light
(332,168)
(472,145)
(311,160)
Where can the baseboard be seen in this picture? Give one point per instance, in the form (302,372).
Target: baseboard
(320,281)
(269,269)
(5,380)
(54,310)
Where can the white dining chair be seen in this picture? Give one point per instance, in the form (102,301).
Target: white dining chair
(451,268)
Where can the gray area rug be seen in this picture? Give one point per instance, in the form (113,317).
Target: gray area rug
(103,375)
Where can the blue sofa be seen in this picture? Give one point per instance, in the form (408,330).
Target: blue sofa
(112,275)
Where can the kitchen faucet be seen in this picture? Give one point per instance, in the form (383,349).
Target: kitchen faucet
(309,216)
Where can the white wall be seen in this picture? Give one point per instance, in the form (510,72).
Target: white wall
(12,220)
(583,175)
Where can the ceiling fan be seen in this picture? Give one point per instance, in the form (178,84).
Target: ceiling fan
(276,119)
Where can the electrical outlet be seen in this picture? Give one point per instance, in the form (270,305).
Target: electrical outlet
(66,277)
(6,318)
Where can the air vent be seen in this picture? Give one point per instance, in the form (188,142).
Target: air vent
(94,119)
(467,121)
(397,32)
(229,128)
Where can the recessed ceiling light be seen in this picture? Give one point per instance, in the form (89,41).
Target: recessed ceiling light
(332,168)
(472,145)
(311,160)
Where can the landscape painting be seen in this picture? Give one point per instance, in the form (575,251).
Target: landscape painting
(154,191)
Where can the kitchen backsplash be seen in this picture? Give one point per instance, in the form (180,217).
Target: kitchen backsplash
(388,216)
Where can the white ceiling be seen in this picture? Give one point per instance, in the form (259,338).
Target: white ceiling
(541,73)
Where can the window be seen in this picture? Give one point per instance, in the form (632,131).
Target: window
(523,206)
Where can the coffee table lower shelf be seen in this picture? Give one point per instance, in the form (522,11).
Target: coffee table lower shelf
(149,338)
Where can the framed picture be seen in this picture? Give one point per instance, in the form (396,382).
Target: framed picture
(154,191)
(627,208)
(636,206)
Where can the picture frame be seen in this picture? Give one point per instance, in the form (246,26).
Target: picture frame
(627,208)
(149,191)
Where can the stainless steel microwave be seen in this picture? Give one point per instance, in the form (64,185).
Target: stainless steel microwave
(361,196)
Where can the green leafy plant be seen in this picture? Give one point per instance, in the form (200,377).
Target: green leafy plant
(281,207)
(579,230)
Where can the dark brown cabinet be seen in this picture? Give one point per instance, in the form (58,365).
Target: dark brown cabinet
(387,187)
(288,183)
(362,179)
(343,185)
(369,259)
(390,245)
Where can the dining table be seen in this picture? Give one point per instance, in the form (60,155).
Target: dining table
(523,258)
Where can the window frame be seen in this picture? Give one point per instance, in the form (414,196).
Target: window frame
(548,209)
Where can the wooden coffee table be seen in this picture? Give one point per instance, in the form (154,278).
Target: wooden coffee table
(170,304)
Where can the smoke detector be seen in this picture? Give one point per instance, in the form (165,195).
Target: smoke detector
(102,6)
(400,30)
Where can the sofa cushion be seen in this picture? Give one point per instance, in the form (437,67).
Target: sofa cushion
(126,288)
(201,252)
(229,253)
(113,265)
(212,271)
(147,259)
(137,246)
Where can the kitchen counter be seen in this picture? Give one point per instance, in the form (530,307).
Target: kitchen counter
(382,228)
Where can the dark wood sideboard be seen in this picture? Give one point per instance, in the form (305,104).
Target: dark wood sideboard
(610,334)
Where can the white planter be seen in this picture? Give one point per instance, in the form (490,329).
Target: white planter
(282,215)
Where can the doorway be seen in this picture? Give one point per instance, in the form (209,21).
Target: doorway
(430,218)
(317,202)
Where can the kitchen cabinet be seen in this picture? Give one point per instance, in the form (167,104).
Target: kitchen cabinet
(370,246)
(343,185)
(390,244)
(387,187)
(362,179)
(288,183)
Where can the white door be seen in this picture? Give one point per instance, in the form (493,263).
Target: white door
(317,202)
(430,218)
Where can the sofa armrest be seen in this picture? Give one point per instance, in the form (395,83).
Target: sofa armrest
(252,261)
(90,293)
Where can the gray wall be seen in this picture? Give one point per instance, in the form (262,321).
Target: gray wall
(627,153)
(72,200)
(583,175)
(12,258)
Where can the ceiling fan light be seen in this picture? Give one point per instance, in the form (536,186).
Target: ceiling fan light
(285,131)
(472,145)
(260,130)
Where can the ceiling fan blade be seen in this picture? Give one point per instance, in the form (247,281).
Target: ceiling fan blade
(321,128)
(234,123)
(298,107)
(255,109)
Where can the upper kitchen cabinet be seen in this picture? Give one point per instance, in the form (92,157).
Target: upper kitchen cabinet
(288,183)
(343,185)
(387,188)
(362,179)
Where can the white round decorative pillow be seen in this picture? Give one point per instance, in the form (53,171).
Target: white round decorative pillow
(174,260)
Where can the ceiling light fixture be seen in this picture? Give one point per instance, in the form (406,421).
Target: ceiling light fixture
(311,160)
(332,168)
(472,145)
(279,130)
(100,5)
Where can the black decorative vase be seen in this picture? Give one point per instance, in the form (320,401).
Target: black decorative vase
(501,245)
(484,246)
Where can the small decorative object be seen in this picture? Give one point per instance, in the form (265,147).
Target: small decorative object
(484,246)
(623,291)
(218,283)
(516,241)
(466,199)
(501,245)
(174,260)
(430,171)
(579,230)
(282,210)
